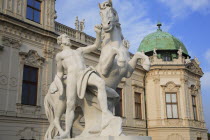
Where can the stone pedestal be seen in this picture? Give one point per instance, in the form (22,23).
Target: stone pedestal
(112,138)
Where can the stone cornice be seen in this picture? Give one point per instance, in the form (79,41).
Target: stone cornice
(9,42)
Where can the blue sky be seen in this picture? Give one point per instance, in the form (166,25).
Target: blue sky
(188,20)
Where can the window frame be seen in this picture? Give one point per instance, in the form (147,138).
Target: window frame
(140,104)
(194,106)
(34,9)
(30,83)
(171,104)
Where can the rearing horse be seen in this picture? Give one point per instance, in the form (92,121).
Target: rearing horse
(114,62)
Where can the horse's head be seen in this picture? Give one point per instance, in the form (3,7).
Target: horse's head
(109,16)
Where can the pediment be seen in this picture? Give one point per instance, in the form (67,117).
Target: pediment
(194,68)
(32,58)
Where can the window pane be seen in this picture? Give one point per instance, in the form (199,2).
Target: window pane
(30,2)
(33,75)
(195,113)
(37,4)
(168,98)
(26,74)
(169,111)
(25,89)
(29,13)
(173,98)
(33,94)
(37,16)
(175,112)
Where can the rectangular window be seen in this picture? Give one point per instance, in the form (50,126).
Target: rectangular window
(118,107)
(29,87)
(171,106)
(199,138)
(138,111)
(33,10)
(194,107)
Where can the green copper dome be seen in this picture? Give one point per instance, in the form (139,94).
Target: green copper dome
(161,41)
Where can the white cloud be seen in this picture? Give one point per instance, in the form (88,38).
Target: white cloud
(207,55)
(133,17)
(205,81)
(181,8)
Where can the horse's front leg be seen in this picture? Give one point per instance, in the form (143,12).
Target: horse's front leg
(133,62)
(107,62)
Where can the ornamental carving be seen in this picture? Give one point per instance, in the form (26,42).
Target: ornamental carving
(3,80)
(13,82)
(174,122)
(170,86)
(49,52)
(28,133)
(194,89)
(11,42)
(19,4)
(175,137)
(32,58)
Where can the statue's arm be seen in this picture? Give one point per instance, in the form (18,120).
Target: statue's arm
(97,43)
(133,62)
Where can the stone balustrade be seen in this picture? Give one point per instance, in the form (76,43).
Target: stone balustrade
(75,35)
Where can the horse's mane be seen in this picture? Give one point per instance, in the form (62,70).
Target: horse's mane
(106,40)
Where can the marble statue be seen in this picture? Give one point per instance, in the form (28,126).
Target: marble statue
(180,51)
(77,23)
(82,25)
(197,61)
(187,60)
(92,90)
(155,51)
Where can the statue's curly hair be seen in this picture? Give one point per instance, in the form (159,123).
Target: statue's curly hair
(59,39)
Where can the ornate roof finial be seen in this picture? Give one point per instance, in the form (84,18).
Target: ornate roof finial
(159,24)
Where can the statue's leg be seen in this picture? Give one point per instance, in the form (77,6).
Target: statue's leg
(95,80)
(70,105)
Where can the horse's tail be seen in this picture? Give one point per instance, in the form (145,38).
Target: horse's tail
(51,131)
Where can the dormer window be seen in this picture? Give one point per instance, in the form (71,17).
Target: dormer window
(33,10)
(167,57)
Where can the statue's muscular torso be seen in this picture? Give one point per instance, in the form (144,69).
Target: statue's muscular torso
(72,60)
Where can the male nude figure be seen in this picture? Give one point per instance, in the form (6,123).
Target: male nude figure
(72,62)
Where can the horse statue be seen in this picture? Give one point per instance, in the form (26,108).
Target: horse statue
(114,64)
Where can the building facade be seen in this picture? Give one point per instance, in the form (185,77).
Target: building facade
(164,103)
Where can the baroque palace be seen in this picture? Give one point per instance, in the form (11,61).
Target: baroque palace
(164,103)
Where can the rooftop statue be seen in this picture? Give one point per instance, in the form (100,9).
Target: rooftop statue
(180,51)
(89,89)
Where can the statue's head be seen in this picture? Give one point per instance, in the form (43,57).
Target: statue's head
(64,40)
(108,15)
